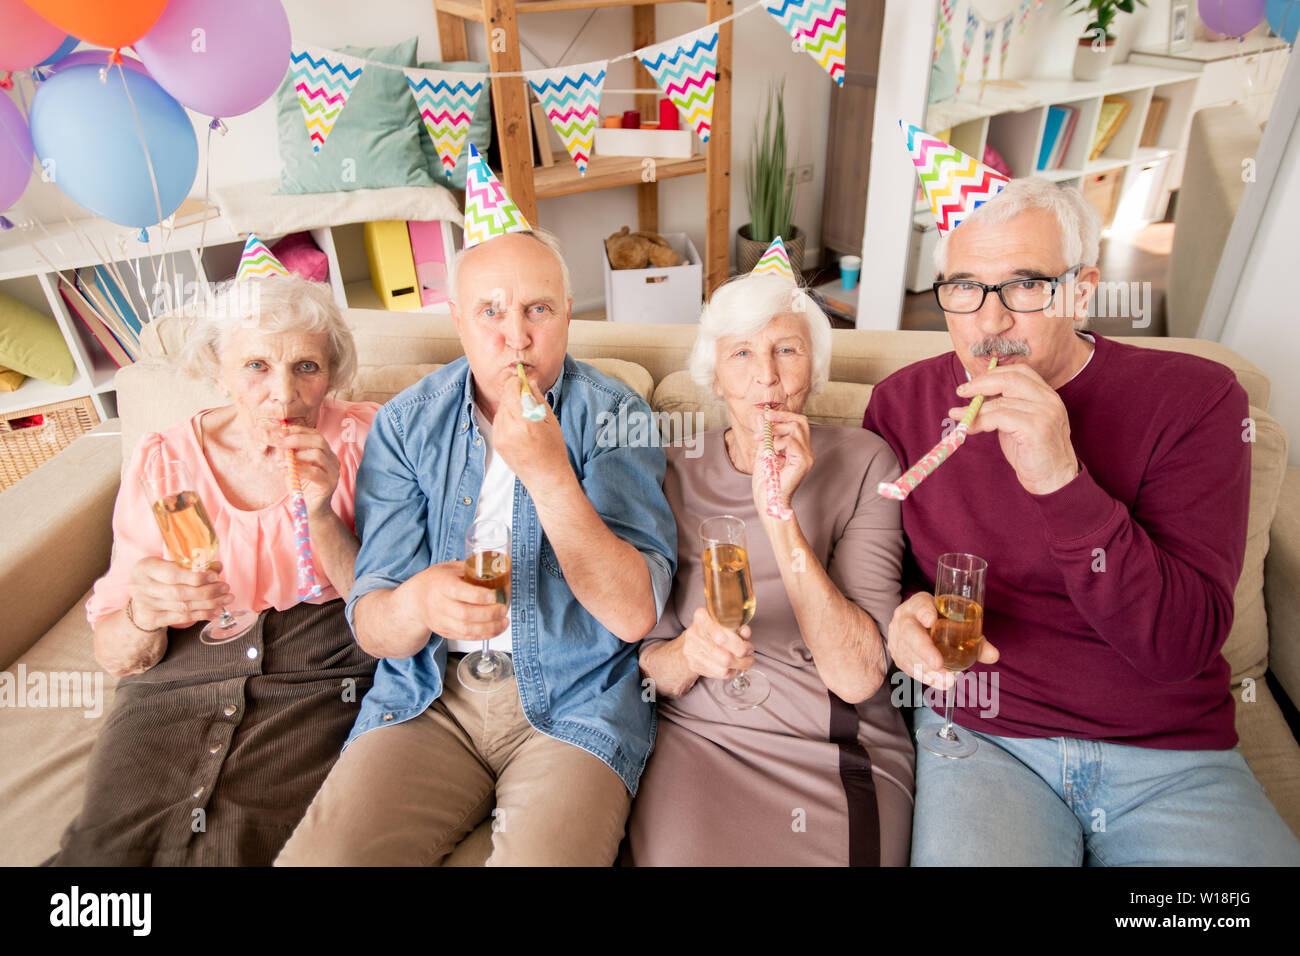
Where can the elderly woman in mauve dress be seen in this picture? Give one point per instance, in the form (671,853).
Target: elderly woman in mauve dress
(820,773)
(212,753)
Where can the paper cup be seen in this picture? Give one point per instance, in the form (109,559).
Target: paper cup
(850,269)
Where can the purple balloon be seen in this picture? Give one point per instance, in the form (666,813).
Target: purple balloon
(218,57)
(1231,18)
(96,58)
(15,153)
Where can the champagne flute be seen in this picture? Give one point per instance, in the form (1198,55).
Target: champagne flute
(730,596)
(958,633)
(187,531)
(487,565)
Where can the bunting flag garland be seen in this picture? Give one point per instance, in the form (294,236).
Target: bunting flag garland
(967,40)
(489,212)
(258,262)
(774,261)
(1022,18)
(685,69)
(1006,45)
(945,27)
(989,31)
(324,83)
(446,103)
(571,98)
(820,24)
(954,183)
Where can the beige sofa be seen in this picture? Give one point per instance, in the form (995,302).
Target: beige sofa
(57,540)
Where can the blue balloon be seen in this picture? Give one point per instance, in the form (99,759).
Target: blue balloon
(86,136)
(1284,18)
(66,47)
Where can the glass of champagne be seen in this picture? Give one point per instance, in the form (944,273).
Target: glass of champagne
(730,596)
(958,633)
(187,531)
(487,565)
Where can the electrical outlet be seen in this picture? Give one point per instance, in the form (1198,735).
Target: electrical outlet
(799,174)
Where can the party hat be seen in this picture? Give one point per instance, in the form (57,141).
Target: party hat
(489,212)
(257,262)
(954,183)
(774,261)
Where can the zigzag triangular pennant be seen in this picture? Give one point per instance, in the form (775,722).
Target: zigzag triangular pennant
(489,212)
(955,184)
(446,103)
(774,261)
(571,97)
(324,83)
(820,24)
(685,69)
(258,262)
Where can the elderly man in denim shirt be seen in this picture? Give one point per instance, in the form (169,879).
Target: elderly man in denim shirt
(555,755)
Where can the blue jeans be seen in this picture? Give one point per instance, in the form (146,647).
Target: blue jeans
(1059,801)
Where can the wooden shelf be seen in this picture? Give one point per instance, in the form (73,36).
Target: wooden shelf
(473,10)
(604,172)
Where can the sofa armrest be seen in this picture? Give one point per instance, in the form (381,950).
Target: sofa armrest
(1281,572)
(58,536)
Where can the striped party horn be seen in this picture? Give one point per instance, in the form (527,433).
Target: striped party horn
(776,506)
(936,456)
(308,586)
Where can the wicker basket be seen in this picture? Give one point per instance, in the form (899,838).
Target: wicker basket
(34,435)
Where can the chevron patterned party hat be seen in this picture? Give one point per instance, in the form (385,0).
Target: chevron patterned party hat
(954,183)
(257,262)
(489,212)
(774,261)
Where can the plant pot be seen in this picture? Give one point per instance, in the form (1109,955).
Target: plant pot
(1092,61)
(748,251)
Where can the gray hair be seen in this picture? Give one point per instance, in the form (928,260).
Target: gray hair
(541,235)
(1080,226)
(270,304)
(747,303)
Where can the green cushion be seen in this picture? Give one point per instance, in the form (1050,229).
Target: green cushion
(373,144)
(480,126)
(32,344)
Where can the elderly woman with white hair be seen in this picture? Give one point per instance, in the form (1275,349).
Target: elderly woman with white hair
(819,773)
(212,753)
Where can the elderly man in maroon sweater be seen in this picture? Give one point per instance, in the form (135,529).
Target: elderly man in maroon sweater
(1107,487)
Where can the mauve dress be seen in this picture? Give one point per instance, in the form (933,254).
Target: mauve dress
(805,779)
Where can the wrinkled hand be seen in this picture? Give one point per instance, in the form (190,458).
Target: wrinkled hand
(318,466)
(164,594)
(1032,425)
(713,651)
(914,653)
(792,441)
(448,605)
(535,451)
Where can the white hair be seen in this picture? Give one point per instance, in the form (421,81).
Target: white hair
(1080,226)
(270,304)
(541,235)
(746,304)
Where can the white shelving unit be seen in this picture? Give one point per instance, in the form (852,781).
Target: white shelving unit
(31,259)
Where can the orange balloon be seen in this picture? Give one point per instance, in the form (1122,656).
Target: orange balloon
(113,25)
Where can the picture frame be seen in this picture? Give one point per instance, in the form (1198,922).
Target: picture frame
(1180,26)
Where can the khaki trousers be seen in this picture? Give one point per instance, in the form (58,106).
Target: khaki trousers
(405,795)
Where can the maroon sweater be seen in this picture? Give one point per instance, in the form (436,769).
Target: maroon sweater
(1131,654)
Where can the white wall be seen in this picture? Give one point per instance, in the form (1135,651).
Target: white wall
(761,53)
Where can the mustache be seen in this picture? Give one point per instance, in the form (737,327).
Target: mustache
(999,346)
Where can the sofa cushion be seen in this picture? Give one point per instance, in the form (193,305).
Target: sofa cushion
(44,751)
(839,403)
(1265,741)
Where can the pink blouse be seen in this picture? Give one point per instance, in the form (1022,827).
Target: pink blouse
(256,548)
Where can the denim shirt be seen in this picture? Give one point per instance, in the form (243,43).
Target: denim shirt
(417,492)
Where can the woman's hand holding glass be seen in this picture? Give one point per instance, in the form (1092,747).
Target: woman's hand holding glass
(164,594)
(711,650)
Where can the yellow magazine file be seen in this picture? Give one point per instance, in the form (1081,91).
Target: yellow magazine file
(392,266)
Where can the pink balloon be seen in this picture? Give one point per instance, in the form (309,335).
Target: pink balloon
(26,37)
(218,57)
(15,153)
(1231,18)
(96,58)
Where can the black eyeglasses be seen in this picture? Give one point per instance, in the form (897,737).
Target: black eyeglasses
(1030,294)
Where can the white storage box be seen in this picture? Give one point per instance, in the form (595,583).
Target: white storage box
(661,143)
(920,254)
(673,294)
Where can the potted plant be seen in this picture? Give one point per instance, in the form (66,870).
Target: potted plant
(770,191)
(1096,47)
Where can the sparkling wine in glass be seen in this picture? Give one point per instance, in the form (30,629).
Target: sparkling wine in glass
(729,593)
(487,565)
(958,633)
(191,541)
